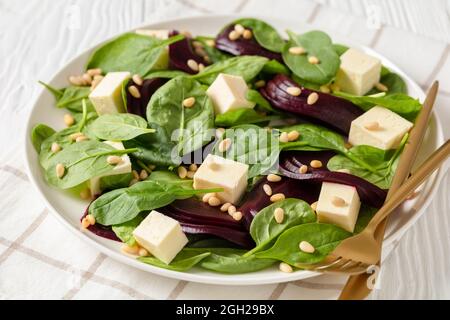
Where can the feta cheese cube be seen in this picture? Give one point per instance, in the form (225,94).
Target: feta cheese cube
(121,168)
(358,72)
(338,204)
(218,172)
(379,127)
(162,236)
(107,96)
(157,33)
(228,92)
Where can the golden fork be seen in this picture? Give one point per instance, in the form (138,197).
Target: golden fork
(355,254)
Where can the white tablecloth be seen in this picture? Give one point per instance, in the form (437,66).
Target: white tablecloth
(40,259)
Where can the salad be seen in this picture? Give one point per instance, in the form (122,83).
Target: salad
(230,153)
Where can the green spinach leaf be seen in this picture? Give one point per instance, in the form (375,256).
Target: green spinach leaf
(39,134)
(119,127)
(124,231)
(393,82)
(214,54)
(167,74)
(275,67)
(184,260)
(340,48)
(72,99)
(256,97)
(57,93)
(264,33)
(242,116)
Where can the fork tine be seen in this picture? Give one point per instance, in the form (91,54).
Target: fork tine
(337,265)
(330,260)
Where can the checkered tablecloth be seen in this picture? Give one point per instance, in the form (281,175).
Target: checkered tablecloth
(39,258)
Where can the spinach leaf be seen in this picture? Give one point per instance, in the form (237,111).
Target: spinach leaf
(256,97)
(318,44)
(241,116)
(184,260)
(119,127)
(189,127)
(366,213)
(340,48)
(169,74)
(214,54)
(247,67)
(82,161)
(264,33)
(132,52)
(122,205)
(124,231)
(305,83)
(252,145)
(264,229)
(233,261)
(39,134)
(324,238)
(399,103)
(274,67)
(72,99)
(57,93)
(116,181)
(393,82)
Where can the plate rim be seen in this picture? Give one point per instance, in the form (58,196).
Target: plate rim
(221,279)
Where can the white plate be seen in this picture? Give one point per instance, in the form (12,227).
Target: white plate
(68,209)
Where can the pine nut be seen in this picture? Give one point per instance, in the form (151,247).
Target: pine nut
(239,28)
(314,206)
(69,120)
(192,64)
(87,78)
(193,167)
(143,175)
(135,175)
(134,91)
(344,171)
(81,138)
(277,197)
(182,172)
(224,145)
(76,135)
(201,66)
(225,207)
(138,80)
(130,250)
(284,137)
(197,44)
(98,77)
(219,132)
(60,170)
(294,91)
(76,81)
(293,135)
(307,247)
(55,147)
(214,201)
(85,223)
(207,196)
(325,89)
(207,59)
(85,194)
(338,201)
(133,182)
(313,60)
(273,178)
(94,72)
(200,51)
(113,160)
(297,50)
(334,87)
(312,98)
(237,216)
(348,145)
(233,35)
(278,214)
(316,164)
(231,210)
(381,87)
(91,219)
(267,189)
(284,267)
(247,34)
(189,102)
(260,84)
(94,84)
(303,169)
(372,126)
(151,166)
(210,43)
(142,252)
(190,174)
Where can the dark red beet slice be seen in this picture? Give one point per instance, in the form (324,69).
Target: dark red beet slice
(241,46)
(138,106)
(369,193)
(100,230)
(257,199)
(180,52)
(241,238)
(329,110)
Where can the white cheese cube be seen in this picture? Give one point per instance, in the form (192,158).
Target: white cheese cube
(218,172)
(121,168)
(107,96)
(228,92)
(158,33)
(379,127)
(358,72)
(162,236)
(341,213)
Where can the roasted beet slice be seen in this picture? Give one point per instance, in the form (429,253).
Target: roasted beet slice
(138,106)
(100,230)
(328,110)
(241,46)
(180,52)
(257,199)
(369,193)
(241,238)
